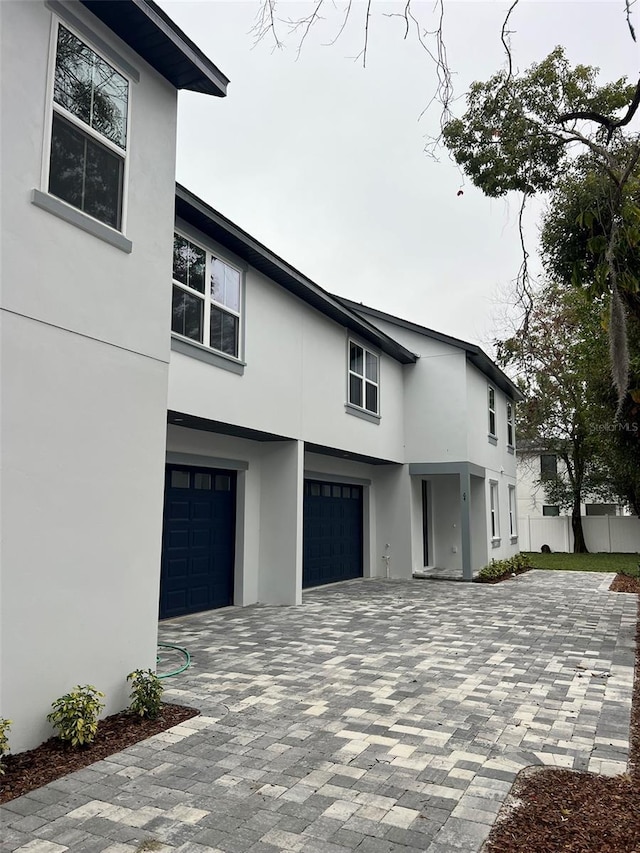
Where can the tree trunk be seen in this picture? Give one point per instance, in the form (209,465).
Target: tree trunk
(579,545)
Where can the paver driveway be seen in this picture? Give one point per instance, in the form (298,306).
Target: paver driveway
(378,716)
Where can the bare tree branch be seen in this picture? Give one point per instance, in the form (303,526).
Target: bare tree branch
(523,280)
(344,24)
(506,40)
(310,21)
(628,4)
(366,34)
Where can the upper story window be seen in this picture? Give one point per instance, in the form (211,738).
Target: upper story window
(364,381)
(511,435)
(206,298)
(89,131)
(548,465)
(492,411)
(548,510)
(513,524)
(494,508)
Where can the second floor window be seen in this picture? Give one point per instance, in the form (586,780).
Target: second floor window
(492,411)
(510,426)
(88,132)
(364,379)
(206,298)
(495,516)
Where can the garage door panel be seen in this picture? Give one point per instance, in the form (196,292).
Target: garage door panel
(177,568)
(333,525)
(200,538)
(202,510)
(198,541)
(177,509)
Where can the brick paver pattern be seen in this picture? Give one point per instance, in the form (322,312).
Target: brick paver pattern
(378,716)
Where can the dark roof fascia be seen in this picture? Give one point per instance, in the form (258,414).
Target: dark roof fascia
(157,39)
(212,223)
(474,353)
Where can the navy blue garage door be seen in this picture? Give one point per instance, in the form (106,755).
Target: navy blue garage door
(332,532)
(198,540)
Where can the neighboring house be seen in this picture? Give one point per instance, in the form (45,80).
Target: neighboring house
(535,464)
(287,437)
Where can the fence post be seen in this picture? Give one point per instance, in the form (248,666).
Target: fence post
(609,531)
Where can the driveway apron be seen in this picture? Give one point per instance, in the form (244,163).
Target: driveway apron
(378,716)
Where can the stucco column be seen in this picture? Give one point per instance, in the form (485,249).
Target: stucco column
(282,481)
(465,523)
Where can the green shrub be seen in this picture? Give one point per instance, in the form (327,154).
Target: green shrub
(146,693)
(75,715)
(631,572)
(498,569)
(5,725)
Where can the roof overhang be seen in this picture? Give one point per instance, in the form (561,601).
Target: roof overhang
(212,223)
(474,354)
(157,39)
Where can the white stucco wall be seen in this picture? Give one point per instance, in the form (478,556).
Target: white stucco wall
(84,378)
(295,379)
(435,428)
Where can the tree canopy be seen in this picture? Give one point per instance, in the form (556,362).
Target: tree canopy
(560,360)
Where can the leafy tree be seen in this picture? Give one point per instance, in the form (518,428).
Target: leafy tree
(560,359)
(524,132)
(573,244)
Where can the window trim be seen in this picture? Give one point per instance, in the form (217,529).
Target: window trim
(351,407)
(94,43)
(200,350)
(513,514)
(492,432)
(494,511)
(511,426)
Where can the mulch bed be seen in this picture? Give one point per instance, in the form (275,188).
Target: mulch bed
(562,811)
(29,770)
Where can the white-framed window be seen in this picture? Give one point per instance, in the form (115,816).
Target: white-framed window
(511,433)
(206,300)
(513,517)
(495,514)
(492,410)
(364,378)
(89,131)
(550,511)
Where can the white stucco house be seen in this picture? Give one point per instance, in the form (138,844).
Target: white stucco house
(534,465)
(188,422)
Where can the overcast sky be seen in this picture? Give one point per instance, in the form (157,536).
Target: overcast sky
(323,160)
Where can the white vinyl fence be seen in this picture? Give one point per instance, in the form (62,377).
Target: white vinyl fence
(609,533)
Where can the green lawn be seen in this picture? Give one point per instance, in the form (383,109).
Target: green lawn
(585,562)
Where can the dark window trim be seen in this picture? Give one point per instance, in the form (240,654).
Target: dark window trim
(81,220)
(364,414)
(206,354)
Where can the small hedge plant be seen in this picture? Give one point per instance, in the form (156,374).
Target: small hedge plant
(5,725)
(631,573)
(498,569)
(146,693)
(75,715)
